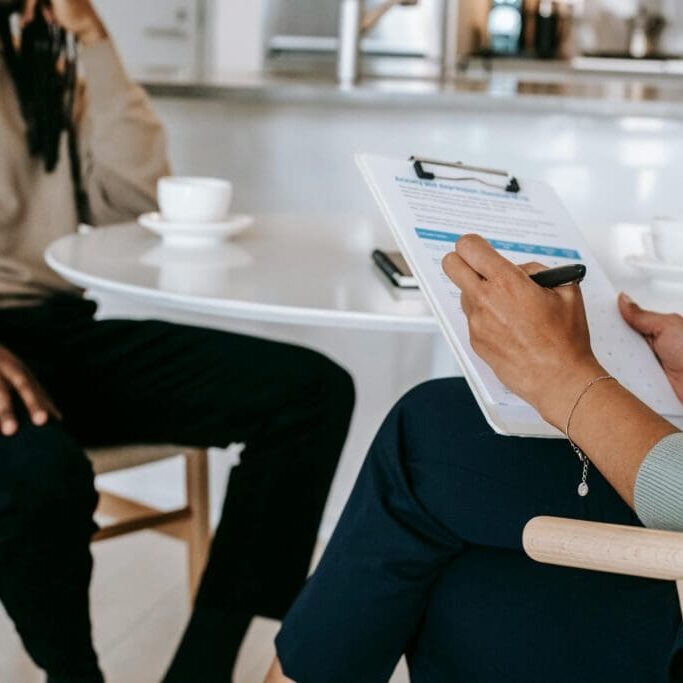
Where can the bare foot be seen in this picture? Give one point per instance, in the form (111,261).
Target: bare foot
(275,674)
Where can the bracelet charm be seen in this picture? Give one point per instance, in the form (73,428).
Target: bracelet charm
(583,488)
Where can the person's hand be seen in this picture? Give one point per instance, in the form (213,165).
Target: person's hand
(535,339)
(76,16)
(664,333)
(16,379)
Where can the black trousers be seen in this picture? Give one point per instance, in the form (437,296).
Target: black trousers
(427,560)
(120,382)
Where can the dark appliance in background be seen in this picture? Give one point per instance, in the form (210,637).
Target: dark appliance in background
(547,36)
(506,27)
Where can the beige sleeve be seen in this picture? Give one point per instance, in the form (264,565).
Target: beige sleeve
(122,143)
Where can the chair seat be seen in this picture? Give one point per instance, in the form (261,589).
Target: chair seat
(117,458)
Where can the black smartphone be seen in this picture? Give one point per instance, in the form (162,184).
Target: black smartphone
(396,268)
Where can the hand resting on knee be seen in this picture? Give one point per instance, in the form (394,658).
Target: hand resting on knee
(17,380)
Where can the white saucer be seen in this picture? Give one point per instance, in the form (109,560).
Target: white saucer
(195,234)
(656,269)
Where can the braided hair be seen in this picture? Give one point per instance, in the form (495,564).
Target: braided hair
(44,71)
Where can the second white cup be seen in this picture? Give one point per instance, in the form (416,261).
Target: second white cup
(194,200)
(667,240)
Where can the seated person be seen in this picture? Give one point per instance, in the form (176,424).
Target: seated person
(68,382)
(427,559)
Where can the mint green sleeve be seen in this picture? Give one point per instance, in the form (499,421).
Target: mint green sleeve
(659,485)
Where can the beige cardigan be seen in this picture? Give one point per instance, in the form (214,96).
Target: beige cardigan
(123,152)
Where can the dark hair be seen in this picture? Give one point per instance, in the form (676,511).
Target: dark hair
(44,72)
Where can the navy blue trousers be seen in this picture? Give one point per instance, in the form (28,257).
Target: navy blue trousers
(427,560)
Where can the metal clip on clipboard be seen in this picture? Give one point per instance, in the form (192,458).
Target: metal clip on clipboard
(510,184)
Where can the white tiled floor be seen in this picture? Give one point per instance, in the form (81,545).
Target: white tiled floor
(140,606)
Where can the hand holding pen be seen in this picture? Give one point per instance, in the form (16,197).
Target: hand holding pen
(534,338)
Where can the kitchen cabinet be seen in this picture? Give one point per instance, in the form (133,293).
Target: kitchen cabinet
(157,38)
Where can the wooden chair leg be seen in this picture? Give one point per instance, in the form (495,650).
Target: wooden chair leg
(199,533)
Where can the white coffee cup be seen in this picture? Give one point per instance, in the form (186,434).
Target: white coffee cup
(194,200)
(667,240)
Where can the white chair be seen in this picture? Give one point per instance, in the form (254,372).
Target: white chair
(189,523)
(607,548)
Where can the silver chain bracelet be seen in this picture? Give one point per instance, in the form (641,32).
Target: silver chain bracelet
(583,458)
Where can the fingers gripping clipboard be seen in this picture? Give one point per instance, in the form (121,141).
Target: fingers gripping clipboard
(430,204)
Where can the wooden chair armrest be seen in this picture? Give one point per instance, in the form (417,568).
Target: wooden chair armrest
(605,547)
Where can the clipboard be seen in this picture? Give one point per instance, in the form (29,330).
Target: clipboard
(427,215)
(509,183)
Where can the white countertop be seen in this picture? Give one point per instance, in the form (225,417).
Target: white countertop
(592,94)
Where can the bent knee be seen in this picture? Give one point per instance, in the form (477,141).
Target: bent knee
(439,398)
(433,419)
(339,384)
(44,471)
(324,380)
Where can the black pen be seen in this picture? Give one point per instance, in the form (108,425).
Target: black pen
(564,275)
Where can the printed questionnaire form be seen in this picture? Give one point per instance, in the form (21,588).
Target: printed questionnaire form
(428,217)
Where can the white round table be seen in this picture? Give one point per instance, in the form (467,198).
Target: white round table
(295,269)
(309,270)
